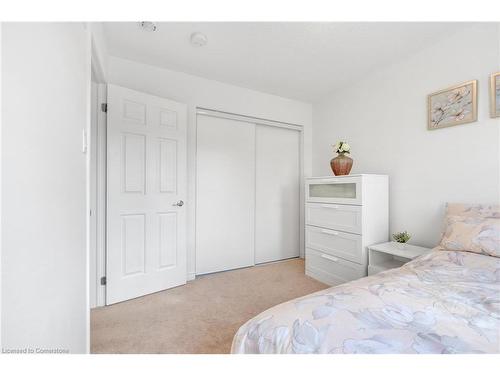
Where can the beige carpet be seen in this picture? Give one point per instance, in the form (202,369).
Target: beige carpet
(201,316)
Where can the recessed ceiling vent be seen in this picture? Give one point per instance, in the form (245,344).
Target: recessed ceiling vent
(148,26)
(198,39)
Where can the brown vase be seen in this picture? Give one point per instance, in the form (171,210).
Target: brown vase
(341,165)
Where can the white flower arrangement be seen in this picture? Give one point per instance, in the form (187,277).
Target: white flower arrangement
(342,147)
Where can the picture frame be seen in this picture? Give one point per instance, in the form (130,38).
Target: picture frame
(452,106)
(495,95)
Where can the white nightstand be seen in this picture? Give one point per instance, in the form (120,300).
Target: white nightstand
(389,255)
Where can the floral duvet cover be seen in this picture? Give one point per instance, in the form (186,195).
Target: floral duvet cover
(442,302)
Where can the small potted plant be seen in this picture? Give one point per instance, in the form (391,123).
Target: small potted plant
(401,238)
(342,164)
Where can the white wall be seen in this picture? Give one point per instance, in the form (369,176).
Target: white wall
(45,91)
(383,117)
(195,91)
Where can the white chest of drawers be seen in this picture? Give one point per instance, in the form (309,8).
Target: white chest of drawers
(344,215)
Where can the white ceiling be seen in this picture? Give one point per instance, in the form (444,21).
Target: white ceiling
(305,61)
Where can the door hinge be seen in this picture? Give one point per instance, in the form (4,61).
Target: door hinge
(104,107)
(103,280)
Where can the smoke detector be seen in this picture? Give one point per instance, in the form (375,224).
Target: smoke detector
(148,26)
(198,39)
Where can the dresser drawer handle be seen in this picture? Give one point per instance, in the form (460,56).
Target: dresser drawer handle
(330,232)
(333,259)
(332,206)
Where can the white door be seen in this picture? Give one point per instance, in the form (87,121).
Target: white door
(146,170)
(277,189)
(225,194)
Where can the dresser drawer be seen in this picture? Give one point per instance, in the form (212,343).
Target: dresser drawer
(340,244)
(343,190)
(332,270)
(334,216)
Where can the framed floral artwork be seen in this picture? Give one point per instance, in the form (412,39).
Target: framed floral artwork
(452,106)
(495,95)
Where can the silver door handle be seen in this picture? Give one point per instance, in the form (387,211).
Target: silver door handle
(179,204)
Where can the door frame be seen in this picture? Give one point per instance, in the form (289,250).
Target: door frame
(98,244)
(97,193)
(259,121)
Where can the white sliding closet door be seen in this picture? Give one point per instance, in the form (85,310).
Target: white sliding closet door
(277,213)
(225,194)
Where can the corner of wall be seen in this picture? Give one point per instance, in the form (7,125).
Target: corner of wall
(100,55)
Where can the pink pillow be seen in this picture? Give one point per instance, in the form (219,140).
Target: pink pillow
(472,210)
(474,234)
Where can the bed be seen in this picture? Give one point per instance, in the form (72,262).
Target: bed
(447,301)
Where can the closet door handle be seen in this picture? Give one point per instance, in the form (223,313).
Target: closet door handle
(179,204)
(329,257)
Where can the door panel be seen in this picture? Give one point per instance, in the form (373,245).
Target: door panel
(136,112)
(225,194)
(277,220)
(146,176)
(134,159)
(133,244)
(168,164)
